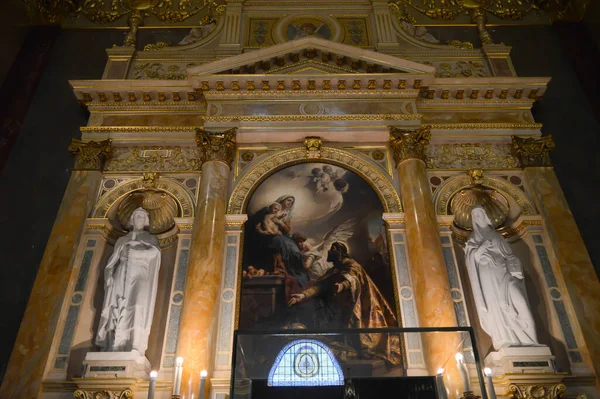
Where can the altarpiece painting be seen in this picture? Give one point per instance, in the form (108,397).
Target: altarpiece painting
(316,257)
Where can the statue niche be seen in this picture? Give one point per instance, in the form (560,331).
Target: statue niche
(130,283)
(496,277)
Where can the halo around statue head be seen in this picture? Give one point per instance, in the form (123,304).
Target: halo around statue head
(139,211)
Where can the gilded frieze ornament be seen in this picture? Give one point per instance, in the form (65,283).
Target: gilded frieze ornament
(216,146)
(90,155)
(409,143)
(556,391)
(313,147)
(532,151)
(470,155)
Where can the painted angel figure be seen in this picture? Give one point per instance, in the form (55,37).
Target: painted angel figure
(314,257)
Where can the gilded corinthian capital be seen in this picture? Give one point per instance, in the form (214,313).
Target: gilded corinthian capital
(89,155)
(216,146)
(533,152)
(409,143)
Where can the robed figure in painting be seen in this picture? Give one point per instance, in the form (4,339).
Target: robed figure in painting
(346,297)
(130,284)
(268,232)
(496,277)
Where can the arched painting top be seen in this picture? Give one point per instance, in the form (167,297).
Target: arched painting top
(376,179)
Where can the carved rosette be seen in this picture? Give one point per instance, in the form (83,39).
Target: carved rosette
(409,144)
(533,152)
(90,155)
(216,146)
(555,391)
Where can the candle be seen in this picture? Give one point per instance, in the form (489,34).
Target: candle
(464,373)
(440,383)
(177,379)
(490,384)
(152,386)
(203,375)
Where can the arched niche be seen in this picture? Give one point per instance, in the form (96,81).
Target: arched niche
(447,190)
(175,189)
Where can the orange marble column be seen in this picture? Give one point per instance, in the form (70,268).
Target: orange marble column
(199,315)
(428,268)
(31,352)
(574,261)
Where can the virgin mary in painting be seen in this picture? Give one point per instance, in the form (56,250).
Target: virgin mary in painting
(268,233)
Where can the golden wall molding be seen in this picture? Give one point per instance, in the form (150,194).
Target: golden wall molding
(216,146)
(409,143)
(90,155)
(484,126)
(137,129)
(533,151)
(184,198)
(154,158)
(333,92)
(470,155)
(303,118)
(248,182)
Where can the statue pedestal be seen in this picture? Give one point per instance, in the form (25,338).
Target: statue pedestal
(521,359)
(116,365)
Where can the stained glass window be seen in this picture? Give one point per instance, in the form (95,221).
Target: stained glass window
(305,362)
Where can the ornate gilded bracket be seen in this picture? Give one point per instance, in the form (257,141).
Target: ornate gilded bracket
(313,147)
(90,155)
(556,391)
(409,143)
(533,152)
(216,146)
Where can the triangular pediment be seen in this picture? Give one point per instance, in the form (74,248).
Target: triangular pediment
(311,55)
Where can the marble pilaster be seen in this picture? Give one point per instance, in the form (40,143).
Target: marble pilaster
(32,350)
(199,316)
(573,259)
(428,268)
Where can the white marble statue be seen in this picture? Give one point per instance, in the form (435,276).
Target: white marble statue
(130,282)
(496,277)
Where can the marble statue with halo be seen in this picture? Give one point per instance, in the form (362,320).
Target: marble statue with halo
(496,277)
(130,284)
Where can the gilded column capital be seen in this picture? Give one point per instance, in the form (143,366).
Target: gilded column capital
(90,155)
(409,143)
(533,152)
(553,391)
(216,146)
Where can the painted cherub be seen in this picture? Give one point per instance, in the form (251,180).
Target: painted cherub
(271,223)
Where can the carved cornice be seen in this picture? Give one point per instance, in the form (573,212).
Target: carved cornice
(409,144)
(216,146)
(89,155)
(532,151)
